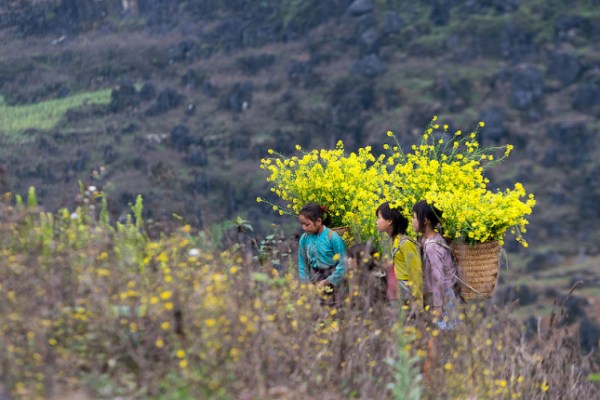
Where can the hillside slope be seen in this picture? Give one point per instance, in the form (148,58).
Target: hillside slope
(178,101)
(200,90)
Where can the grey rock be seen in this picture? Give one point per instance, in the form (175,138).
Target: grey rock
(167,100)
(181,138)
(360,7)
(392,23)
(239,97)
(197,156)
(574,308)
(527,86)
(370,40)
(543,261)
(369,66)
(147,92)
(123,97)
(495,131)
(186,50)
(587,97)
(589,335)
(522,293)
(564,66)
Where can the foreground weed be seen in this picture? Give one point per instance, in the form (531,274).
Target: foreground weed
(87,304)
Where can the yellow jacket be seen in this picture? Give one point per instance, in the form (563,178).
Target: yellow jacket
(408,265)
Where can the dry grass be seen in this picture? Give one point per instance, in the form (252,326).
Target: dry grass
(92,309)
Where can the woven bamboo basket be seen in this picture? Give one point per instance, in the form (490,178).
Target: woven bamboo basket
(341,230)
(478,266)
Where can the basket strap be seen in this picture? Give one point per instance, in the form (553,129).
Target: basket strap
(503,253)
(441,243)
(404,238)
(467,285)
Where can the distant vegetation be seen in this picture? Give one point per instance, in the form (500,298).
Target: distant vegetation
(44,115)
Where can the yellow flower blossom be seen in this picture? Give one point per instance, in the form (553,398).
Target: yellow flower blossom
(165,295)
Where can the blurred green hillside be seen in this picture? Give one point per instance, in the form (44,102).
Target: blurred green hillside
(199,90)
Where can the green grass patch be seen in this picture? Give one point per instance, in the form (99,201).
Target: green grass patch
(538,309)
(419,84)
(44,115)
(429,45)
(590,291)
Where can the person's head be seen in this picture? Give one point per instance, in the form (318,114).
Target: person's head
(362,256)
(425,216)
(390,220)
(312,217)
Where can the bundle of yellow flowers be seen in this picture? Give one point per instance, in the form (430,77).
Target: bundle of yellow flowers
(481,216)
(447,170)
(348,185)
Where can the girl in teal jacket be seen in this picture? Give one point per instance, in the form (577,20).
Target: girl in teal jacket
(321,251)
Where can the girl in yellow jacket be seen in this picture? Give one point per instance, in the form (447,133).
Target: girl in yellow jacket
(406,255)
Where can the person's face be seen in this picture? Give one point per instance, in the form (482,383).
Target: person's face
(415,223)
(383,225)
(310,226)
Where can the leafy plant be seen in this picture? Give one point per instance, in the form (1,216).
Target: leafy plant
(407,377)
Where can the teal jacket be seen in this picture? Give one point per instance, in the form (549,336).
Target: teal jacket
(322,251)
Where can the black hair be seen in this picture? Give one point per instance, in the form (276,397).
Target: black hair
(399,221)
(425,211)
(364,254)
(313,212)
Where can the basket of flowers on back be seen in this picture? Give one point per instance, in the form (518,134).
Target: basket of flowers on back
(448,170)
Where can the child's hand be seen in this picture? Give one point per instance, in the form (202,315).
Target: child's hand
(322,283)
